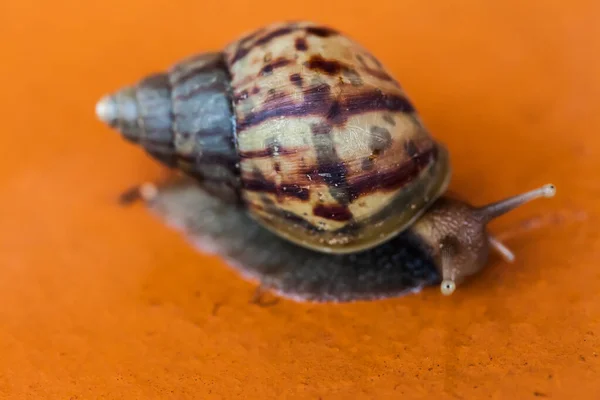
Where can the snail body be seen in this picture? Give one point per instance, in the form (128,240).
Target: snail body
(299,127)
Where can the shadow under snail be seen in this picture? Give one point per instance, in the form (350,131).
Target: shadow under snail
(303,163)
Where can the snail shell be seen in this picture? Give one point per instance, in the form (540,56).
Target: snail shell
(304,127)
(304,130)
(332,153)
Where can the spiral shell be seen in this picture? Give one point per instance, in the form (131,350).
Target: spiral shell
(332,153)
(299,124)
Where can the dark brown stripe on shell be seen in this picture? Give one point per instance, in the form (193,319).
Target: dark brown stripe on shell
(296,79)
(314,98)
(334,212)
(321,31)
(329,67)
(251,36)
(321,129)
(274,96)
(330,167)
(247,44)
(377,100)
(392,179)
(301,44)
(379,74)
(318,101)
(268,152)
(334,114)
(282,190)
(294,190)
(271,208)
(180,72)
(259,185)
(245,47)
(296,219)
(240,53)
(333,173)
(280,62)
(275,34)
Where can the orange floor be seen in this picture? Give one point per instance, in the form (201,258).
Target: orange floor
(99,301)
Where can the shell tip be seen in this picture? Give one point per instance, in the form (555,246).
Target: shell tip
(106,109)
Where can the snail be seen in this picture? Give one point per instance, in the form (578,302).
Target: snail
(303,162)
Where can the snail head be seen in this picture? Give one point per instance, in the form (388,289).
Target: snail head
(456,234)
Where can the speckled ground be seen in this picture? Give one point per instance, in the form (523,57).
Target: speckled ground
(100,301)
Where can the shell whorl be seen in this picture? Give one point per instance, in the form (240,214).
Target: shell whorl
(183,118)
(302,126)
(333,155)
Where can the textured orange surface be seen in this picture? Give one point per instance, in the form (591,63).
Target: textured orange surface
(100,301)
